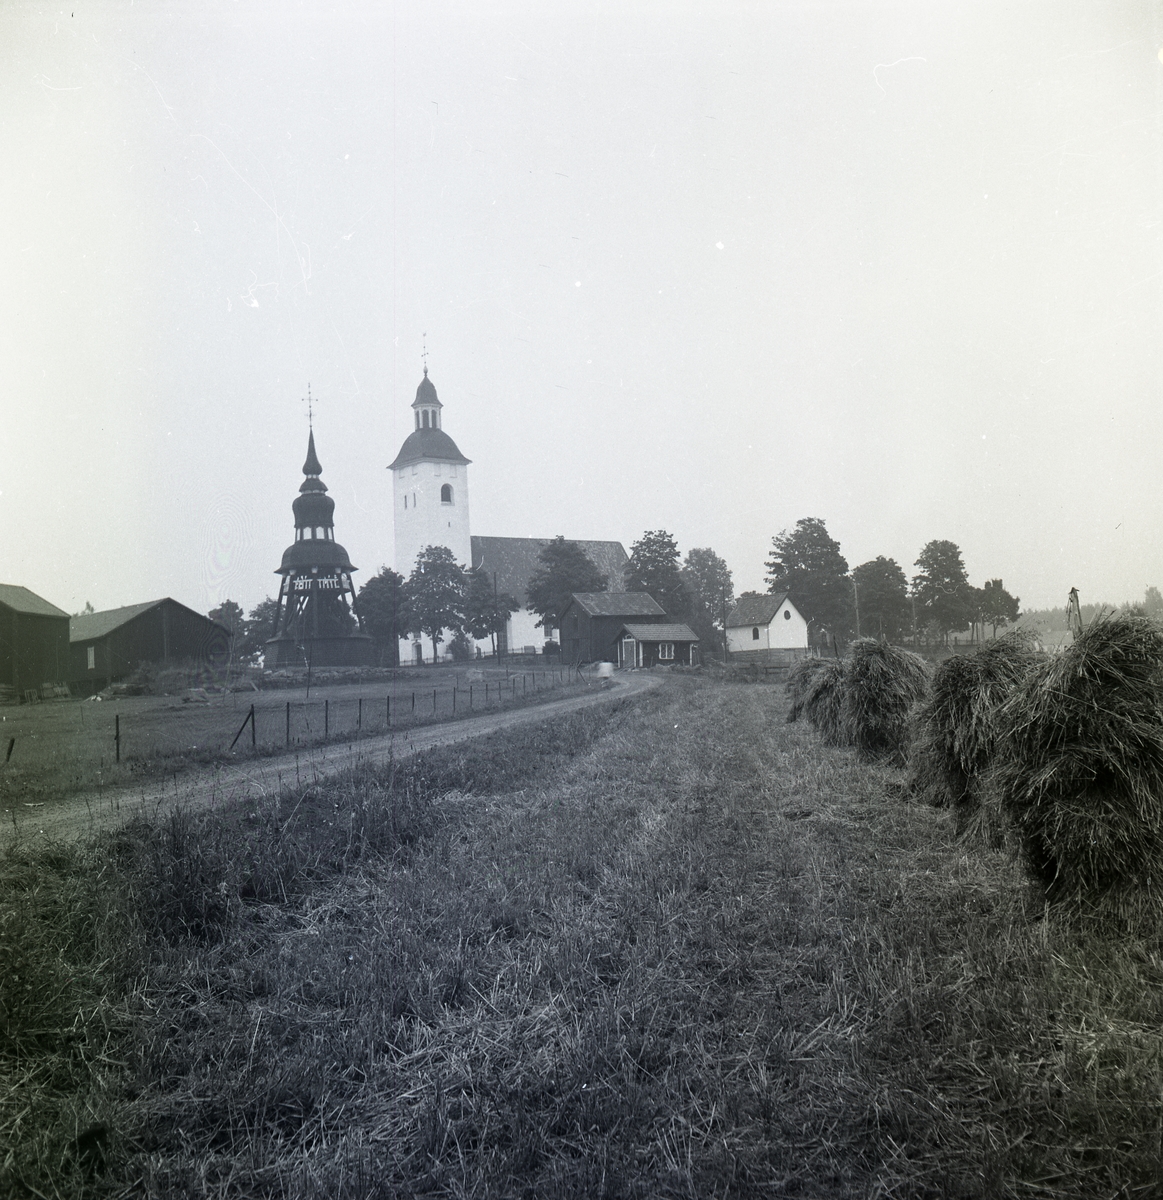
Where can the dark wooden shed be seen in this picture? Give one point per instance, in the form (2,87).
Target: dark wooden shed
(650,645)
(107,646)
(592,623)
(34,641)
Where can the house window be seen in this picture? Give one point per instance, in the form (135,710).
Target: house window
(425,418)
(755,633)
(787,614)
(446,494)
(91,655)
(405,499)
(665,650)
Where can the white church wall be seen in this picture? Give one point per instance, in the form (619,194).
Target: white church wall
(423,519)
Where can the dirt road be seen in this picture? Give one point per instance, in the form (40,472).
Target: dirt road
(213,786)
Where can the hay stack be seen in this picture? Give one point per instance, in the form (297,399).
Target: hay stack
(1081,765)
(881,685)
(799,680)
(956,735)
(824,702)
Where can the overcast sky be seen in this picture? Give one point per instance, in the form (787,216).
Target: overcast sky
(706,267)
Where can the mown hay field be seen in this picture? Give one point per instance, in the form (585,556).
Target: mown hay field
(63,747)
(675,947)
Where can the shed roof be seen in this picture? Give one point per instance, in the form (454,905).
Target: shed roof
(661,633)
(618,604)
(21,600)
(516,559)
(756,610)
(89,626)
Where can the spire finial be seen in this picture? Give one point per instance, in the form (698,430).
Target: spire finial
(424,354)
(309,401)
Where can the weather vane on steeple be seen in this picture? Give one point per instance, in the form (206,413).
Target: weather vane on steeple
(424,352)
(307,399)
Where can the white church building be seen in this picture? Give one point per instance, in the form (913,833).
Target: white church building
(430,508)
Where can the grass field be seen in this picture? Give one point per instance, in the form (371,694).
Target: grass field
(65,747)
(674,948)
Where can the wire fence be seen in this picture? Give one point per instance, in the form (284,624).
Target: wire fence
(272,723)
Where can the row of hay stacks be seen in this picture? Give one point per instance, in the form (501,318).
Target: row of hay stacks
(1063,753)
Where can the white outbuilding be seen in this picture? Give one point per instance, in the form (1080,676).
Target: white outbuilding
(766,629)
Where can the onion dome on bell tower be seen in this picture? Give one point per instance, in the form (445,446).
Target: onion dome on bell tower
(318,622)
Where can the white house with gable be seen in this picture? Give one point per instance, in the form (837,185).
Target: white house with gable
(766,629)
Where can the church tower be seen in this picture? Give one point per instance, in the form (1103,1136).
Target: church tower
(430,487)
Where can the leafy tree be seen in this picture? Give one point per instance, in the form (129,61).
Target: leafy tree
(260,626)
(654,568)
(996,607)
(1153,603)
(941,588)
(231,615)
(485,613)
(882,599)
(711,594)
(808,564)
(435,594)
(565,568)
(382,607)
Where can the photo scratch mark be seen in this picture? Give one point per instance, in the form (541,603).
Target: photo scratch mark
(888,66)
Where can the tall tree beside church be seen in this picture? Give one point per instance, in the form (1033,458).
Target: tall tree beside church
(882,599)
(996,607)
(435,595)
(230,614)
(564,568)
(941,588)
(383,609)
(708,583)
(654,568)
(485,609)
(260,625)
(806,562)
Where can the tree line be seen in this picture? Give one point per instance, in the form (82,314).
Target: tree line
(443,600)
(876,599)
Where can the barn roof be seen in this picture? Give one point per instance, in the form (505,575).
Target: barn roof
(21,600)
(661,633)
(515,560)
(755,610)
(89,626)
(618,604)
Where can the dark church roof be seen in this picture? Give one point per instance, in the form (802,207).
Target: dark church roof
(515,559)
(429,444)
(21,600)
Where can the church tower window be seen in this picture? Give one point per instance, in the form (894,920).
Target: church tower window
(446,494)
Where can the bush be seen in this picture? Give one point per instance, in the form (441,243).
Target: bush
(460,647)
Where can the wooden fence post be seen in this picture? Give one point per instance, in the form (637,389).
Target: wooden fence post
(117,735)
(288,722)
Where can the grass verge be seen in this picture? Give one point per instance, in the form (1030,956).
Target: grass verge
(677,948)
